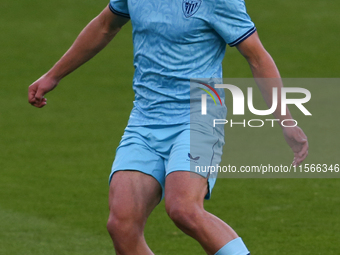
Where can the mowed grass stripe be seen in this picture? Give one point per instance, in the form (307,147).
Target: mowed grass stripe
(30,235)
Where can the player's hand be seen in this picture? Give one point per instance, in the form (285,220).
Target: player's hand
(297,140)
(38,89)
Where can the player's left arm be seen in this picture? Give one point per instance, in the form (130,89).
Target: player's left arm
(267,77)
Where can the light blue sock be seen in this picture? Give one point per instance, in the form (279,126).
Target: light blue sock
(234,247)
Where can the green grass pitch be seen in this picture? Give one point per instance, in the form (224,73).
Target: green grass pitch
(54,162)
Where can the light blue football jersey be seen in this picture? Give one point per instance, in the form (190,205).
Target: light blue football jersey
(174,41)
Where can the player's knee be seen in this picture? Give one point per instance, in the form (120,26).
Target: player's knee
(124,223)
(123,229)
(185,216)
(124,232)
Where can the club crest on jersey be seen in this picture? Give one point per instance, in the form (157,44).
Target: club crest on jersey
(190,7)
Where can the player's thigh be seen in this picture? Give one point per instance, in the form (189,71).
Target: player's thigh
(133,194)
(185,187)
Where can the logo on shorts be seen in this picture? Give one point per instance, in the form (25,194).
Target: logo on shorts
(191,158)
(190,7)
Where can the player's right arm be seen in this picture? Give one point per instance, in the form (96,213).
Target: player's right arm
(94,37)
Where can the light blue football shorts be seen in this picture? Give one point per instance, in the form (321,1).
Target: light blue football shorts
(159,150)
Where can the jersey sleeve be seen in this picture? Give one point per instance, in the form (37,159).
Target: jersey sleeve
(231,21)
(119,7)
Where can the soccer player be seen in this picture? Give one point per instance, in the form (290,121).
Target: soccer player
(173,41)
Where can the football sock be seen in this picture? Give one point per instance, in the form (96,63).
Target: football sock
(234,247)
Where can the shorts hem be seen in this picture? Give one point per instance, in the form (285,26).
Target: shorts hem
(141,171)
(209,179)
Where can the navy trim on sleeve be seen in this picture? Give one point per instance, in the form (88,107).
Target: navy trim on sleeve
(118,12)
(243,37)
